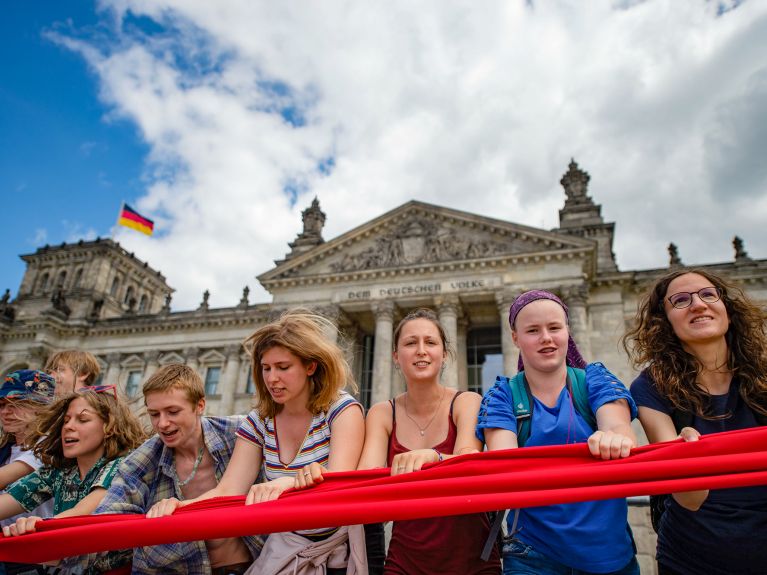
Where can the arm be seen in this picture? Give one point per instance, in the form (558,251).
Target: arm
(85,506)
(13,471)
(614,437)
(497,439)
(465,410)
(377,431)
(9,507)
(660,427)
(239,476)
(347,437)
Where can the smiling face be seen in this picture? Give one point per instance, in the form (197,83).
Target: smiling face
(16,416)
(174,417)
(540,332)
(82,435)
(286,376)
(700,322)
(420,352)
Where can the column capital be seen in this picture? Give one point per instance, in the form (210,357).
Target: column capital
(113,358)
(384,309)
(504,299)
(575,294)
(448,304)
(152,356)
(233,351)
(191,353)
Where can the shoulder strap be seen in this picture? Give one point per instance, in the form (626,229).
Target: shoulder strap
(523,412)
(580,393)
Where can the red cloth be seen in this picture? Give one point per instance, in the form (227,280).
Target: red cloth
(472,483)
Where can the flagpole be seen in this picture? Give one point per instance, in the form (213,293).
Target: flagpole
(117,221)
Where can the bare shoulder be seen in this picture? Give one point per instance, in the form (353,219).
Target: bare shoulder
(468,400)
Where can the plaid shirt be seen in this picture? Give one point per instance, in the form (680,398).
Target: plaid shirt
(146,476)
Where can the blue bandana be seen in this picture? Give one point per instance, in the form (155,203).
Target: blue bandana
(28,384)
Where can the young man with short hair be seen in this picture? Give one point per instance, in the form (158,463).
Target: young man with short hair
(186,458)
(72,369)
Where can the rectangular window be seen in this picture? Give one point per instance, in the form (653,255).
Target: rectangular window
(211,380)
(366,372)
(132,383)
(250,387)
(484,358)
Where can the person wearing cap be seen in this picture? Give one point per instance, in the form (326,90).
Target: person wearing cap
(23,394)
(583,538)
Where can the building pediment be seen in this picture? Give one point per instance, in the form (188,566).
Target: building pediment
(417,235)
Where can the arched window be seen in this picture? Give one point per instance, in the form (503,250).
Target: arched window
(142,304)
(128,295)
(61,279)
(44,282)
(78,277)
(115,287)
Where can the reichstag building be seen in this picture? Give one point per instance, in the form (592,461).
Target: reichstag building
(96,296)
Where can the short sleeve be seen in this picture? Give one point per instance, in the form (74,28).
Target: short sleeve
(26,456)
(251,429)
(34,489)
(107,474)
(496,410)
(645,394)
(344,401)
(604,387)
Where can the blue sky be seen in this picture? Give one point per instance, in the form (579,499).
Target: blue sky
(65,165)
(222,120)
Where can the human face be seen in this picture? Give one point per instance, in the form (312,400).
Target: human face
(15,416)
(286,376)
(700,322)
(66,379)
(420,351)
(82,435)
(175,419)
(540,332)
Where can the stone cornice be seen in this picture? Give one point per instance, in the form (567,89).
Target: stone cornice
(587,253)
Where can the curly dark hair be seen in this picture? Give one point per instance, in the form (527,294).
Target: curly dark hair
(122,431)
(652,344)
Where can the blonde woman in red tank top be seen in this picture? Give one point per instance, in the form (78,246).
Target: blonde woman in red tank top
(426,424)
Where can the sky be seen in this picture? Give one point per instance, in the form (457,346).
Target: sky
(221,121)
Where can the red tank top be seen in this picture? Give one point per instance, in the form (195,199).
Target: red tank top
(445,545)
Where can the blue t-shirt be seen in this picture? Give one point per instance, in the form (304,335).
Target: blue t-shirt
(590,536)
(727,534)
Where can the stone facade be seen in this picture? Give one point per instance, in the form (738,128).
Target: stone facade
(95,296)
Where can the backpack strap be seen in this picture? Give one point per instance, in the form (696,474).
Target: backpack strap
(577,380)
(522,403)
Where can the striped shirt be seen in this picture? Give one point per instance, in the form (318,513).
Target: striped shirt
(314,449)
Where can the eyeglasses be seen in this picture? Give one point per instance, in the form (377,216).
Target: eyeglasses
(112,389)
(683,299)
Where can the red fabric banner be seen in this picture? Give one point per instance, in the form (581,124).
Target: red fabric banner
(508,479)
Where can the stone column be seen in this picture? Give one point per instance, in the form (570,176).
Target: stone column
(191,355)
(448,316)
(332,313)
(152,359)
(229,380)
(113,370)
(461,354)
(508,349)
(382,351)
(575,297)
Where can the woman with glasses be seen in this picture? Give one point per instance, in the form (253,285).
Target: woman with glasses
(702,345)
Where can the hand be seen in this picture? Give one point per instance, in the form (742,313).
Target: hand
(689,434)
(269,490)
(413,460)
(610,445)
(163,508)
(309,476)
(23,525)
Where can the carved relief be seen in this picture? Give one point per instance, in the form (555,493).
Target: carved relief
(416,241)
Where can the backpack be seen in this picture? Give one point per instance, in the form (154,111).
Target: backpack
(522,398)
(658,503)
(523,412)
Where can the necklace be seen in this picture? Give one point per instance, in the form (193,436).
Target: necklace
(194,469)
(422,430)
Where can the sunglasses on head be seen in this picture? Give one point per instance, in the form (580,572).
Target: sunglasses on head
(112,389)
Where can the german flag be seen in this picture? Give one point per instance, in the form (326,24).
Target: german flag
(132,219)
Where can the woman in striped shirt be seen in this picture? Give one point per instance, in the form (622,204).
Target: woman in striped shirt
(303,416)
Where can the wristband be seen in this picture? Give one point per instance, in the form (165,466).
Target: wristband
(439,455)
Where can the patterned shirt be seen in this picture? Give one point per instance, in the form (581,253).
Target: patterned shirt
(315,447)
(66,489)
(145,477)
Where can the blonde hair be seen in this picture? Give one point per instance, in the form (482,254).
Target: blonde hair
(303,334)
(176,376)
(81,362)
(35,406)
(122,430)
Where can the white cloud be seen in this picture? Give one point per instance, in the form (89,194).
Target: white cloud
(475,108)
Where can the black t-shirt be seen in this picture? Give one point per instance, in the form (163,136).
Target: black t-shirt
(728,534)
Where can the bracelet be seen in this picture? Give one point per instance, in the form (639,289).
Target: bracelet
(438,454)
